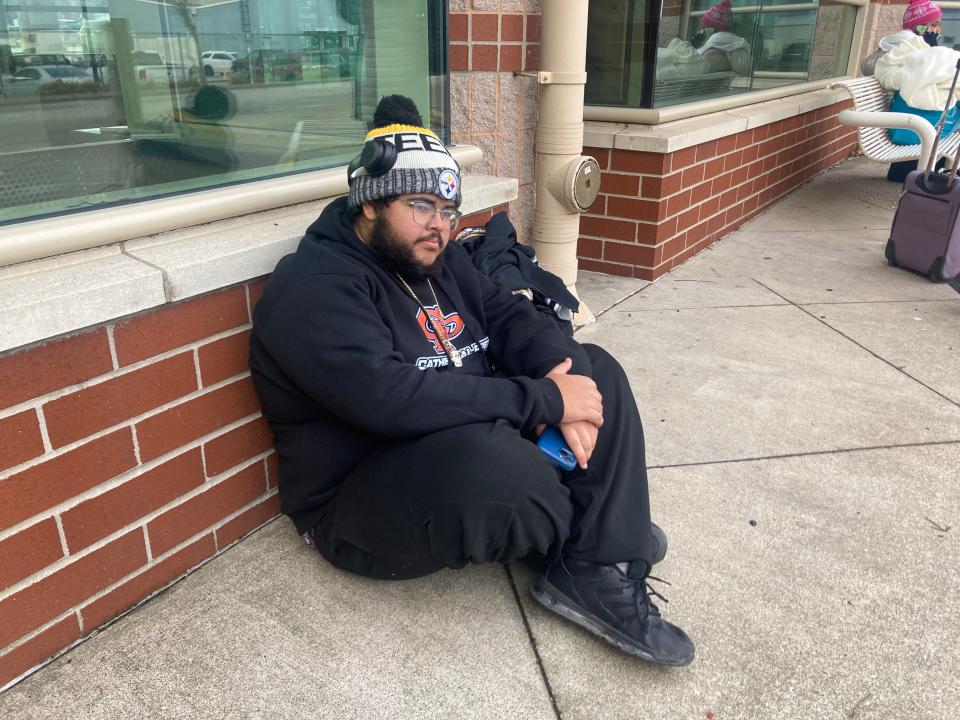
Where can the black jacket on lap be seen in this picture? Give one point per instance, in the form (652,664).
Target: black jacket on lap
(343,360)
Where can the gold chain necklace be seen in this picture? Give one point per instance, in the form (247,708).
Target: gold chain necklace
(438,329)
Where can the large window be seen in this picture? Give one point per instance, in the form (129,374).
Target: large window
(110,101)
(702,49)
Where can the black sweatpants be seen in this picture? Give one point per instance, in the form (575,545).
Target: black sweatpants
(484,493)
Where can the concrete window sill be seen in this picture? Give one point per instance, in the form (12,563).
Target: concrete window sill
(672,136)
(43,299)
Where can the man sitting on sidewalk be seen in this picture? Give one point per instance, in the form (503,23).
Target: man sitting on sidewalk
(405,391)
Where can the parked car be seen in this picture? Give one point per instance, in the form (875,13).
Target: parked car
(30,80)
(98,65)
(149,66)
(217,62)
(268,66)
(33,60)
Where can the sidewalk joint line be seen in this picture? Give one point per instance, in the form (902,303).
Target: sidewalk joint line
(859,345)
(880,302)
(812,453)
(533,641)
(622,300)
(706,307)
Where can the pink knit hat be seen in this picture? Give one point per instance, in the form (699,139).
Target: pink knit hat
(720,17)
(920,12)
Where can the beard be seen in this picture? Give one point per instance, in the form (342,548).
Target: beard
(399,258)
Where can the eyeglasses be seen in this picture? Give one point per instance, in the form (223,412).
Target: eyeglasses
(424,213)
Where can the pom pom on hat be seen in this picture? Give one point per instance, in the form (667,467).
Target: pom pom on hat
(718,17)
(423,164)
(396,110)
(920,12)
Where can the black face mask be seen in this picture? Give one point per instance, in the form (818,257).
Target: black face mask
(931,38)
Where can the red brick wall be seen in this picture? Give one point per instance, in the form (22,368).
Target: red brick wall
(494,41)
(656,211)
(130,453)
(481,218)
(493,104)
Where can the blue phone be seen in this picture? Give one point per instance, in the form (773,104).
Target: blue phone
(552,444)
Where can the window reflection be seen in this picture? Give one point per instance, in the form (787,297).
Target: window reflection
(106,101)
(712,48)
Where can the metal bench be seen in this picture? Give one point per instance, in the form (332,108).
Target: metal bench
(871,117)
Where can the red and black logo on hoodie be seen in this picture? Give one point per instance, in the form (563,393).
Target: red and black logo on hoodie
(451,323)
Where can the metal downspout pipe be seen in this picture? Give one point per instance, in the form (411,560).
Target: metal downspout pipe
(567,183)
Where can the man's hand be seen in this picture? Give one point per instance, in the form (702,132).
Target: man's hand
(582,401)
(581,437)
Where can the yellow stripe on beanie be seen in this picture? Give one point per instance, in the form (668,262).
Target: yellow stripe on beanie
(395,128)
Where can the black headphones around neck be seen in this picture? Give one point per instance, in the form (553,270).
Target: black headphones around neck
(377,157)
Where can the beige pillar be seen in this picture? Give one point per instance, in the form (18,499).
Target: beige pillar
(566,181)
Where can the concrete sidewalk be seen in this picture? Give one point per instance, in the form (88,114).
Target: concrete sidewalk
(802,407)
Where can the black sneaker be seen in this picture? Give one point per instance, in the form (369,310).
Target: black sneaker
(660,538)
(614,605)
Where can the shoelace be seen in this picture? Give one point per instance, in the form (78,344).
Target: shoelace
(642,596)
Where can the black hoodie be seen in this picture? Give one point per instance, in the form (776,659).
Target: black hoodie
(343,361)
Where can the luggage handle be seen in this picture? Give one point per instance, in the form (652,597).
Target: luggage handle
(954,176)
(934,184)
(954,171)
(943,118)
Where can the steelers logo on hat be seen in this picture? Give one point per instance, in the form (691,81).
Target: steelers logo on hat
(449,184)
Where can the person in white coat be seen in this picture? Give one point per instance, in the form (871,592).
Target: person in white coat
(921,20)
(723,50)
(892,63)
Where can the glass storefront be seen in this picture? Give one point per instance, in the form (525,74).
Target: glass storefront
(112,101)
(702,49)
